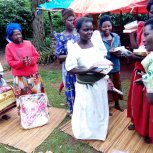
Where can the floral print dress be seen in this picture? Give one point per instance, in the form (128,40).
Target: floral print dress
(68,79)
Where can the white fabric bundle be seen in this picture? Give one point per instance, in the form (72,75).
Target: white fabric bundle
(33,110)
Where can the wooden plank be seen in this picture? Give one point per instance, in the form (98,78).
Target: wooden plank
(119,137)
(12,134)
(115,132)
(150,149)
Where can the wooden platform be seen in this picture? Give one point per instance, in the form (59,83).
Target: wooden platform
(12,134)
(119,137)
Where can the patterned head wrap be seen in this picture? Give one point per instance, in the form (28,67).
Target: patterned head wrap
(66,13)
(10,28)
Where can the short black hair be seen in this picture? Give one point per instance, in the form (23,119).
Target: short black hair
(149,22)
(80,22)
(105,18)
(150,3)
(66,13)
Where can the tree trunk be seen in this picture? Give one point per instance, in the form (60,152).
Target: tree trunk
(37,24)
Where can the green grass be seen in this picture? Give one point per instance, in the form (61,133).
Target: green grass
(125,89)
(51,80)
(59,142)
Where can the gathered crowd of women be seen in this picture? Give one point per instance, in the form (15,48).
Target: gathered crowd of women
(81,50)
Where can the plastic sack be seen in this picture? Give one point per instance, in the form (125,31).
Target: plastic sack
(33,110)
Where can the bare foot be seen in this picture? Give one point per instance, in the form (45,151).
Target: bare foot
(6,117)
(147,140)
(131,127)
(110,114)
(119,108)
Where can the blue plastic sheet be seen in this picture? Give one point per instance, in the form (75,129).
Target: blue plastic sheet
(54,4)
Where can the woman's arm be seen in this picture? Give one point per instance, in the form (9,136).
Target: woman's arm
(35,56)
(135,57)
(16,64)
(133,41)
(79,71)
(60,47)
(128,54)
(62,58)
(117,43)
(150,97)
(91,70)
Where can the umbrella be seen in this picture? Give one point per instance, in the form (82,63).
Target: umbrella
(55,4)
(101,6)
(80,6)
(137,6)
(126,6)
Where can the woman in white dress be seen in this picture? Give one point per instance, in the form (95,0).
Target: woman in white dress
(91,113)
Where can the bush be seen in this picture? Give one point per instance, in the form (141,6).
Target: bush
(56,21)
(15,11)
(127,18)
(47,49)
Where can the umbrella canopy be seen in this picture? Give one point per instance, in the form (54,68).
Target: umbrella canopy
(126,6)
(55,4)
(80,6)
(136,6)
(102,6)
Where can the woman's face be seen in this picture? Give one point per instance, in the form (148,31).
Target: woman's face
(148,38)
(69,22)
(150,13)
(106,28)
(17,37)
(86,31)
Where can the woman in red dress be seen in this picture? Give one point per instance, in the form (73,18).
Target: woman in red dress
(139,108)
(148,43)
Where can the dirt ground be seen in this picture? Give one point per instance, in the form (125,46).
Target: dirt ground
(4,62)
(2,57)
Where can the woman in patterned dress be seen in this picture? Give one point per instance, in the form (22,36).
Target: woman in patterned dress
(23,57)
(61,53)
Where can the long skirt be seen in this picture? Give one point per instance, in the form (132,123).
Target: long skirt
(91,114)
(69,84)
(151,123)
(139,108)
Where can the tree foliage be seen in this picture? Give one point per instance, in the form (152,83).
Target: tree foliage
(127,18)
(57,22)
(14,11)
